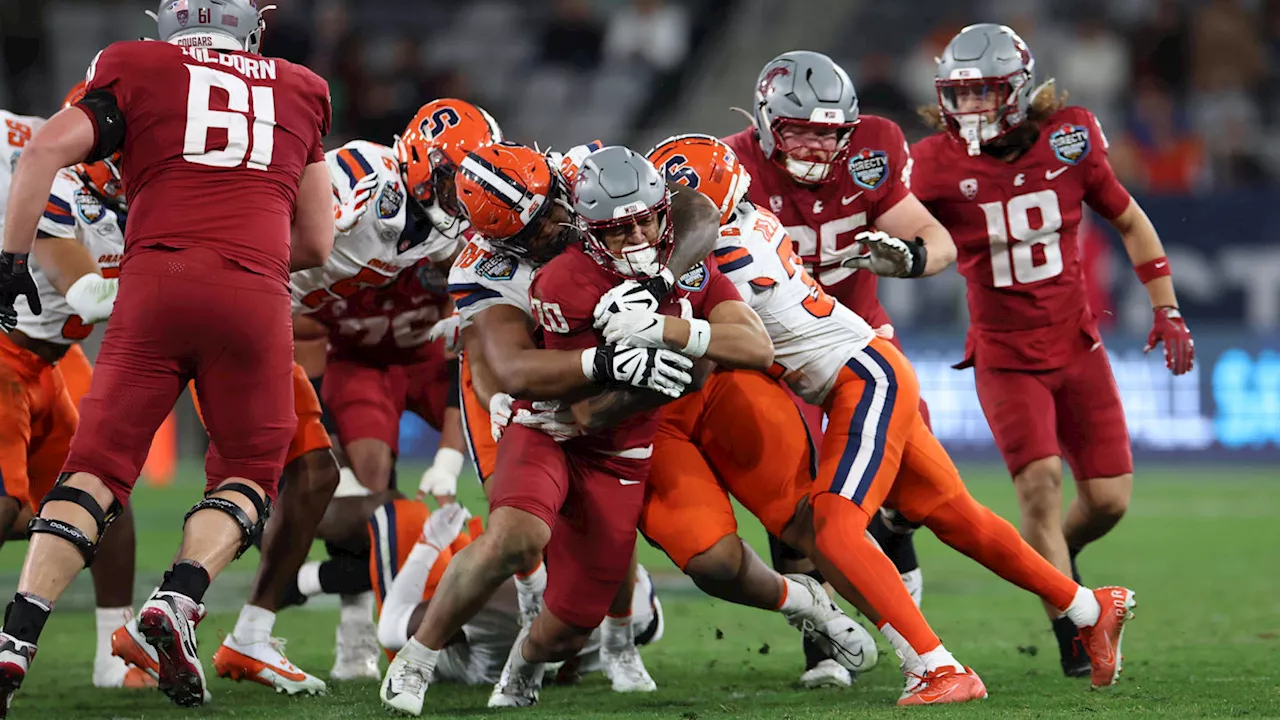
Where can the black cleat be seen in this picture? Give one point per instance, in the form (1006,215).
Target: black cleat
(1075,659)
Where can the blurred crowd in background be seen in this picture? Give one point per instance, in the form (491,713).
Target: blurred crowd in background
(1184,88)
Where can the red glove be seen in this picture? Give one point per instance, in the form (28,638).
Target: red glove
(1179,348)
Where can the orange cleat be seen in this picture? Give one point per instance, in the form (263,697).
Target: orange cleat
(943,685)
(129,646)
(1102,640)
(264,663)
(138,679)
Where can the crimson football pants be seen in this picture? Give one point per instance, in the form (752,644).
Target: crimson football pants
(182,315)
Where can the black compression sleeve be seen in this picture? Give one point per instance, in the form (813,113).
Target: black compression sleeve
(101,104)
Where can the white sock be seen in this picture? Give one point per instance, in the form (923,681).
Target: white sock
(529,588)
(797,597)
(616,633)
(419,655)
(309,579)
(254,625)
(1084,609)
(520,666)
(357,609)
(109,620)
(940,657)
(404,595)
(907,655)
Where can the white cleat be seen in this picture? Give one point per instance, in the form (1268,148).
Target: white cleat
(826,674)
(839,636)
(626,670)
(356,655)
(519,683)
(405,685)
(168,623)
(15,660)
(914,580)
(264,663)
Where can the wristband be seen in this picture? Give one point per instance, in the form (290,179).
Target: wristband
(589,363)
(1153,269)
(699,338)
(919,258)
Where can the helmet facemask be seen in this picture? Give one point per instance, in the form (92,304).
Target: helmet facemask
(639,260)
(809,150)
(547,232)
(979,110)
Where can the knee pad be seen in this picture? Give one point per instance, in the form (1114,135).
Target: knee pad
(72,534)
(249,530)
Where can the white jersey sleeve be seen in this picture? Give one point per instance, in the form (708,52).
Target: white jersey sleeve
(15,132)
(73,212)
(482,277)
(388,239)
(813,334)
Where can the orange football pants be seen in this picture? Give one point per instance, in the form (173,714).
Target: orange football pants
(310,433)
(877,451)
(37,420)
(475,424)
(739,436)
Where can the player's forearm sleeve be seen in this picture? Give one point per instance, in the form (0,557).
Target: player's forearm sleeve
(108,123)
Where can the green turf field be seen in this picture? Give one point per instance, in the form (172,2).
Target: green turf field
(1199,545)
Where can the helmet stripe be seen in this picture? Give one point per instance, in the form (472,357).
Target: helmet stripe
(495,181)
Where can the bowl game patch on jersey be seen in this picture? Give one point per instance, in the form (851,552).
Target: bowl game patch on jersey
(869,167)
(390,201)
(694,279)
(1070,143)
(498,267)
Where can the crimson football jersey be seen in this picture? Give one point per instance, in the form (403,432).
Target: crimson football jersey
(564,296)
(214,148)
(823,219)
(388,325)
(1014,226)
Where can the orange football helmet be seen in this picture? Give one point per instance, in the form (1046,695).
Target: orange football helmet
(703,163)
(516,200)
(434,144)
(103,177)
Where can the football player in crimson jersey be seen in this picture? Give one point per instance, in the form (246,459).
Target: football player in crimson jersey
(630,229)
(1009,174)
(209,301)
(831,175)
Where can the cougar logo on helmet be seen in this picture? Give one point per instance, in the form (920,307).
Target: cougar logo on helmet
(217,24)
(805,111)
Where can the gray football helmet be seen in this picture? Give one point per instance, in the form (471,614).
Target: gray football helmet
(804,90)
(616,188)
(240,20)
(985,83)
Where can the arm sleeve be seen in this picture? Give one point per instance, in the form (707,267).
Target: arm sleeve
(1103,191)
(105,92)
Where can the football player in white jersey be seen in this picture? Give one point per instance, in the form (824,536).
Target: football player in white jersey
(74,262)
(831,357)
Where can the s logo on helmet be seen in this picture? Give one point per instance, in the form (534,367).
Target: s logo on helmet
(869,168)
(1070,143)
(677,170)
(440,120)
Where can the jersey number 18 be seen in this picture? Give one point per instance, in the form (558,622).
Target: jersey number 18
(1013,244)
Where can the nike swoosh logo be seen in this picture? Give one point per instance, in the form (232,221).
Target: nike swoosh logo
(851,198)
(629,482)
(1051,174)
(1160,265)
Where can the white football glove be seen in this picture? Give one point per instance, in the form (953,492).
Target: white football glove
(346,214)
(657,369)
(550,418)
(443,526)
(633,295)
(887,256)
(636,328)
(499,414)
(441,479)
(450,329)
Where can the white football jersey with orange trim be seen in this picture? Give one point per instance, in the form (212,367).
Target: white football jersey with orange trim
(387,239)
(483,276)
(76,212)
(15,132)
(813,334)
